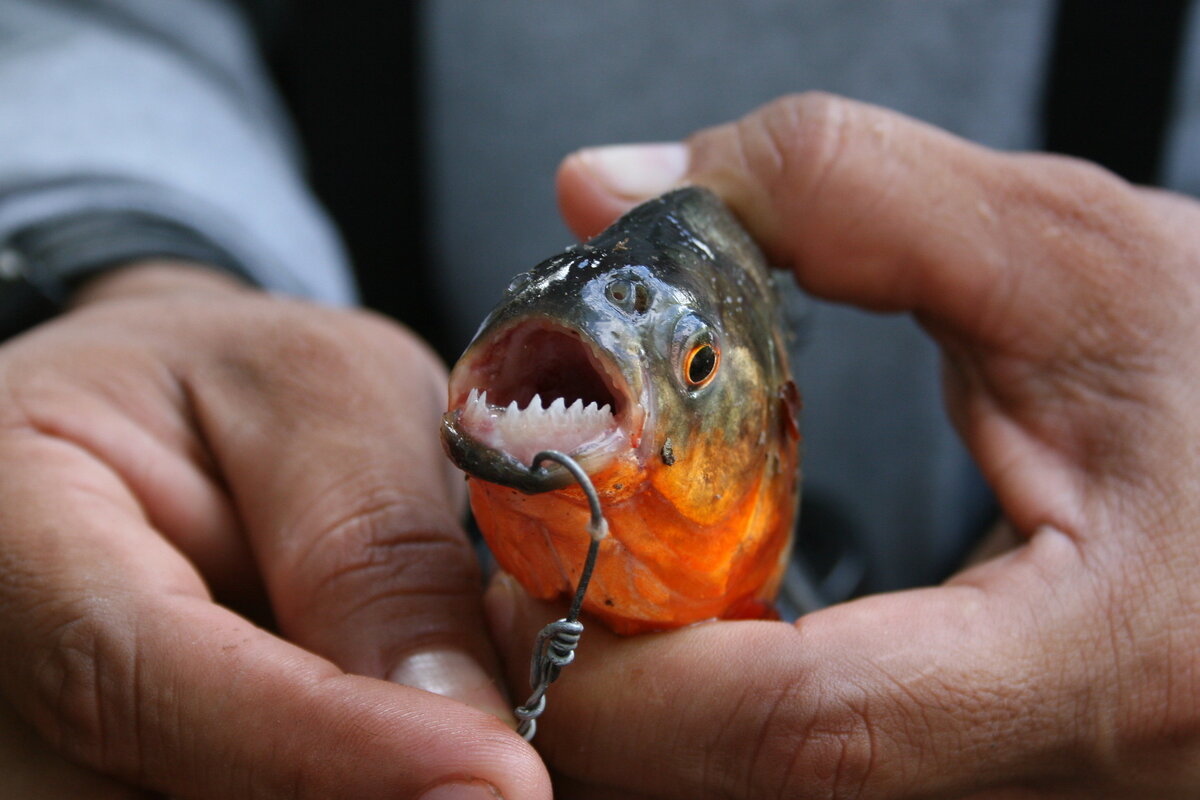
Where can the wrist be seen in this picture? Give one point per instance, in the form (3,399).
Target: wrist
(155,277)
(43,265)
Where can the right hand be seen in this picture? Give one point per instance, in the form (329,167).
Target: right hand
(1067,304)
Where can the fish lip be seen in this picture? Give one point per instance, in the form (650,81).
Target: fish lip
(481,460)
(487,463)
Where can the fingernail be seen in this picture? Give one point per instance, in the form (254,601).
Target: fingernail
(458,790)
(500,607)
(455,674)
(637,170)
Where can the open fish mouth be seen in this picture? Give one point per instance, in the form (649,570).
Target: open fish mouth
(535,386)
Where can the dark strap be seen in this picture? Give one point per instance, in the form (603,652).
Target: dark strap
(41,265)
(1112,79)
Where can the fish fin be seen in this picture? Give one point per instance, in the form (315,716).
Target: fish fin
(789,411)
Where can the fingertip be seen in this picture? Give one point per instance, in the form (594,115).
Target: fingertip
(442,744)
(463,790)
(636,172)
(585,205)
(454,673)
(597,184)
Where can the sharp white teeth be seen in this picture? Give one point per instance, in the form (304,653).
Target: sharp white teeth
(556,412)
(475,408)
(521,432)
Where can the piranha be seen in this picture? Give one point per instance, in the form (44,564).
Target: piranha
(654,356)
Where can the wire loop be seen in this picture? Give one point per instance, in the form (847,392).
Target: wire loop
(555,645)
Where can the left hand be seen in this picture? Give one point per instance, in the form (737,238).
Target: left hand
(179,452)
(1067,305)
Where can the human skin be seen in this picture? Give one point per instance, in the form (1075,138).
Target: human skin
(1067,306)
(181,455)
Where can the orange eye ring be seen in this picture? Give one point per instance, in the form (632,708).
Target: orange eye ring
(701,364)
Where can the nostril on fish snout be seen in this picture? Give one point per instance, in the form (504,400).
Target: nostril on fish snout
(629,295)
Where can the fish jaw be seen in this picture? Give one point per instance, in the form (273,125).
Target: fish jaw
(671,572)
(537,385)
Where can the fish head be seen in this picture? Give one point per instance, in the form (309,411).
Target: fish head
(621,353)
(653,356)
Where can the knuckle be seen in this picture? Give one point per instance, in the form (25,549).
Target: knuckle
(391,546)
(800,140)
(800,111)
(1152,682)
(838,751)
(84,698)
(314,360)
(291,348)
(796,748)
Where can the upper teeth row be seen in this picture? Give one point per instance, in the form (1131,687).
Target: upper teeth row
(477,401)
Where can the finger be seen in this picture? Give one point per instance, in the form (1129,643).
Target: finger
(327,433)
(1045,280)
(572,789)
(90,378)
(870,207)
(31,770)
(597,185)
(935,692)
(127,667)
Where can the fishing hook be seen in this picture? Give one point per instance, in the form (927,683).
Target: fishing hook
(555,645)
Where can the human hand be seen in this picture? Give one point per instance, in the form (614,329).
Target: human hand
(177,440)
(1067,304)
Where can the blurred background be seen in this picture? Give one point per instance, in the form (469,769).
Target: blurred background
(434,130)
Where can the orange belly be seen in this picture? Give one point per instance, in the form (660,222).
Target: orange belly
(665,563)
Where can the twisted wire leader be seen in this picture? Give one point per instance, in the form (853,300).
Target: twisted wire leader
(555,644)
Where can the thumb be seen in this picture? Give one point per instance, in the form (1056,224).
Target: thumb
(933,692)
(870,207)
(1043,278)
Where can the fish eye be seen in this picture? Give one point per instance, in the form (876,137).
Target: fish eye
(697,352)
(701,364)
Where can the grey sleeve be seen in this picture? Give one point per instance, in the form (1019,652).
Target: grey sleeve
(155,114)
